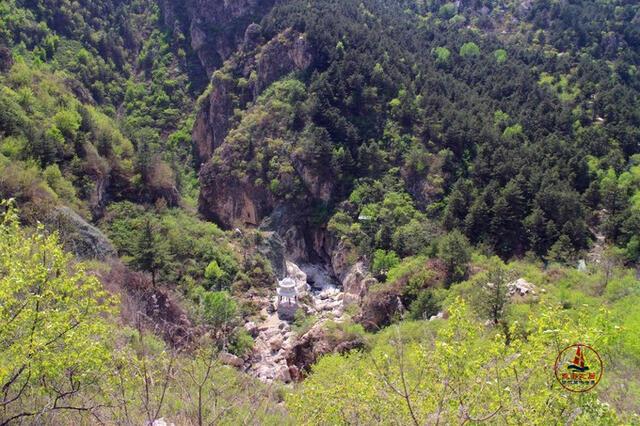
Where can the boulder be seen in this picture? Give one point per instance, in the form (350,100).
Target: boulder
(276,342)
(521,287)
(230,359)
(342,259)
(287,311)
(282,374)
(308,348)
(439,315)
(380,308)
(159,422)
(78,236)
(356,283)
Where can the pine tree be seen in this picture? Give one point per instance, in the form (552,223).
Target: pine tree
(151,253)
(506,225)
(455,252)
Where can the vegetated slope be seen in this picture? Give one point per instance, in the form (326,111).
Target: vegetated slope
(497,122)
(115,58)
(375,137)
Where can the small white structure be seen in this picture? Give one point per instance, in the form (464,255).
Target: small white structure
(287,298)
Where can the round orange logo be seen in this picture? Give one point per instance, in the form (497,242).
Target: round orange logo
(578,368)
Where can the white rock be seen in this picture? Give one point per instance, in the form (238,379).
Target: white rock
(276,343)
(440,315)
(230,359)
(159,422)
(282,374)
(521,287)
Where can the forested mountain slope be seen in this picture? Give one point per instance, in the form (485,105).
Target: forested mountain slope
(476,163)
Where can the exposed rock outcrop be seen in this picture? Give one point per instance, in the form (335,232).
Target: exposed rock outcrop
(232,198)
(274,337)
(308,349)
(284,53)
(80,237)
(356,283)
(287,52)
(215,28)
(381,307)
(271,247)
(300,278)
(521,287)
(230,359)
(230,201)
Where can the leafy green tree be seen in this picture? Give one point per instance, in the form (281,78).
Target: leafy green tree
(458,204)
(492,297)
(507,216)
(55,339)
(383,261)
(424,306)
(469,50)
(562,250)
(460,376)
(442,55)
(478,220)
(447,10)
(500,55)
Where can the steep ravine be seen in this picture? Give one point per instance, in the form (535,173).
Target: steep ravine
(320,296)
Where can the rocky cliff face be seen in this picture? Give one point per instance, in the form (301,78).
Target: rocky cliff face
(241,80)
(78,236)
(215,28)
(234,199)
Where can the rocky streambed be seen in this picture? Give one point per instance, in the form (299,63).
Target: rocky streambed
(276,341)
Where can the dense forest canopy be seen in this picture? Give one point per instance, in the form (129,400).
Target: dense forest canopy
(450,186)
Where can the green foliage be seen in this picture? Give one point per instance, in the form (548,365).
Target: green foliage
(383,217)
(500,55)
(151,251)
(442,55)
(215,275)
(424,306)
(492,298)
(241,343)
(383,261)
(55,339)
(410,380)
(469,49)
(187,245)
(219,310)
(447,10)
(454,250)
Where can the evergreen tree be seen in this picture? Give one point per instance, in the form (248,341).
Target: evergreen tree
(454,250)
(458,204)
(151,253)
(506,225)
